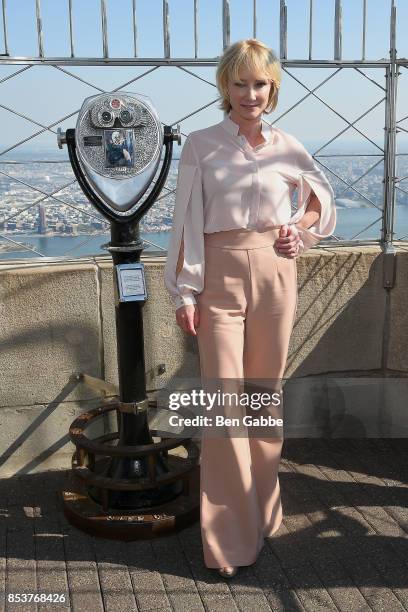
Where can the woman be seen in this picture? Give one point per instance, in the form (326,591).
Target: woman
(231,271)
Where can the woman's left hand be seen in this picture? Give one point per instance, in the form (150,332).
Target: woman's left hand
(288,241)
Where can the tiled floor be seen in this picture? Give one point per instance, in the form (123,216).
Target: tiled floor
(343,544)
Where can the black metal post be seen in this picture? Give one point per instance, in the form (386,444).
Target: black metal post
(126,246)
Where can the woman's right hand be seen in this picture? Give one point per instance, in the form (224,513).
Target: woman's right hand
(188,318)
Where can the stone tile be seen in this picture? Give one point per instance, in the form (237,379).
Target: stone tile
(213,589)
(114,577)
(147,583)
(82,571)
(51,568)
(176,574)
(21,567)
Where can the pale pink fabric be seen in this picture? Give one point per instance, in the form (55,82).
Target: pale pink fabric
(224,183)
(247,310)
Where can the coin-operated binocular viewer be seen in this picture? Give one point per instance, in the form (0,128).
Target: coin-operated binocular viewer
(134,488)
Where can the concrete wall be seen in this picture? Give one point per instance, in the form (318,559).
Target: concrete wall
(59,318)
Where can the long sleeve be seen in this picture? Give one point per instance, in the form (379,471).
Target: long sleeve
(184,269)
(311,179)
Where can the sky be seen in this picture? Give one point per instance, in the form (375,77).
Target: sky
(46,94)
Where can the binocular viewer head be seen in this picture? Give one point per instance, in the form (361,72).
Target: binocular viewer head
(116,150)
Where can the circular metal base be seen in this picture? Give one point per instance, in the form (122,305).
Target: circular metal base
(83,512)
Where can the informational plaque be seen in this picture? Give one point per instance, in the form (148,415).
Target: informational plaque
(131,282)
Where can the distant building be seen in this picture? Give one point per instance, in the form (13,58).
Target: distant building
(97,224)
(42,219)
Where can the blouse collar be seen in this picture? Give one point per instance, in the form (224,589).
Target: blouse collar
(233,128)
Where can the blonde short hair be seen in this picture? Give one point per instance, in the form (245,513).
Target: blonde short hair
(258,58)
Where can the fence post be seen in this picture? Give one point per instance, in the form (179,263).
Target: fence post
(387,230)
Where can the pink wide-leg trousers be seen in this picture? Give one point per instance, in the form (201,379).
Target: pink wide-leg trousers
(247,310)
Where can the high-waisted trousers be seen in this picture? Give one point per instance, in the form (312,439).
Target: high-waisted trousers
(247,310)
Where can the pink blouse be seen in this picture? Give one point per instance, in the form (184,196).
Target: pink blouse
(223,183)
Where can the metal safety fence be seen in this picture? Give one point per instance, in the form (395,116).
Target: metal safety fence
(388,72)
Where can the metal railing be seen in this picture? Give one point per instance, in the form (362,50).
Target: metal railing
(388,67)
(132,16)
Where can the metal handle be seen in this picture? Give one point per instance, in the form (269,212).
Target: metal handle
(176,134)
(61,138)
